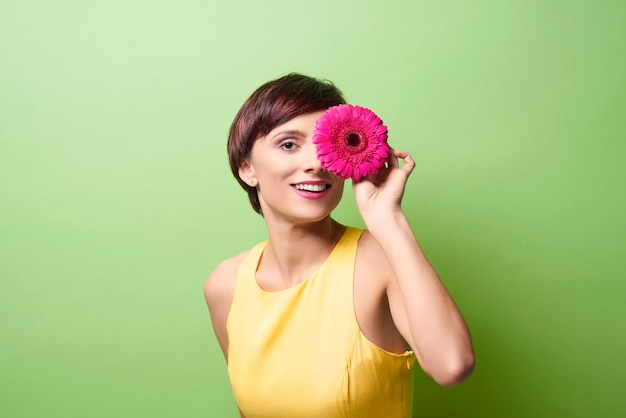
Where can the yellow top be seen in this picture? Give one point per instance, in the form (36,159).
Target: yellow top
(300,352)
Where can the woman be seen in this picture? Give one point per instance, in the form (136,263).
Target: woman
(324,320)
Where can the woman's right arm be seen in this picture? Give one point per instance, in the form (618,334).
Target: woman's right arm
(219,289)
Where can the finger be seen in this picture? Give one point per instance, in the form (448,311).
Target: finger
(392,159)
(409,163)
(401,154)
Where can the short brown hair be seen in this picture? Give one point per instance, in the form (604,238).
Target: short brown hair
(273,104)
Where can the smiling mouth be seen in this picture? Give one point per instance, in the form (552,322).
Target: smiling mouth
(313,188)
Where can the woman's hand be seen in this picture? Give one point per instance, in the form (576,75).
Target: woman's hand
(379,195)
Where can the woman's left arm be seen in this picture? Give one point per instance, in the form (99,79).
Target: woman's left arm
(421,307)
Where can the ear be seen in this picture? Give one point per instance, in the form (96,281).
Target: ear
(246,173)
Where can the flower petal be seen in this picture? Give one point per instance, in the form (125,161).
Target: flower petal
(339,150)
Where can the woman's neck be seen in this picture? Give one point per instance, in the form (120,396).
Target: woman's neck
(294,252)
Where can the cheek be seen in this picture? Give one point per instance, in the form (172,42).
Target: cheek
(274,171)
(339,191)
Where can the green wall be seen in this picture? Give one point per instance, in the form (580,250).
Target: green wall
(117,201)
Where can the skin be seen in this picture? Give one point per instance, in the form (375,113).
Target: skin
(400,302)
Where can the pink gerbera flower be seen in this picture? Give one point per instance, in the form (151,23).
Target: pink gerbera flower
(351,141)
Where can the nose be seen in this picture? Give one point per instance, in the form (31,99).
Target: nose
(311,162)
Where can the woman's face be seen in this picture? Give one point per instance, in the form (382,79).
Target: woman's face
(284,168)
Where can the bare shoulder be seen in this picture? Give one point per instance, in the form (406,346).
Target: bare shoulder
(221,281)
(372,259)
(219,289)
(373,281)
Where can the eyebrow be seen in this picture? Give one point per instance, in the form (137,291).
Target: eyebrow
(290,132)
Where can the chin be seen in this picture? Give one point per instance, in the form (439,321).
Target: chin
(299,218)
(299,213)
(310,218)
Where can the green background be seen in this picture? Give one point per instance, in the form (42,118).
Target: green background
(117,200)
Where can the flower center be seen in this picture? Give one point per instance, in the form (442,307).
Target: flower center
(353,139)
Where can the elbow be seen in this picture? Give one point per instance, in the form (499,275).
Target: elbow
(456,371)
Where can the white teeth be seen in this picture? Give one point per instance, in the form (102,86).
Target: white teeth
(311,187)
